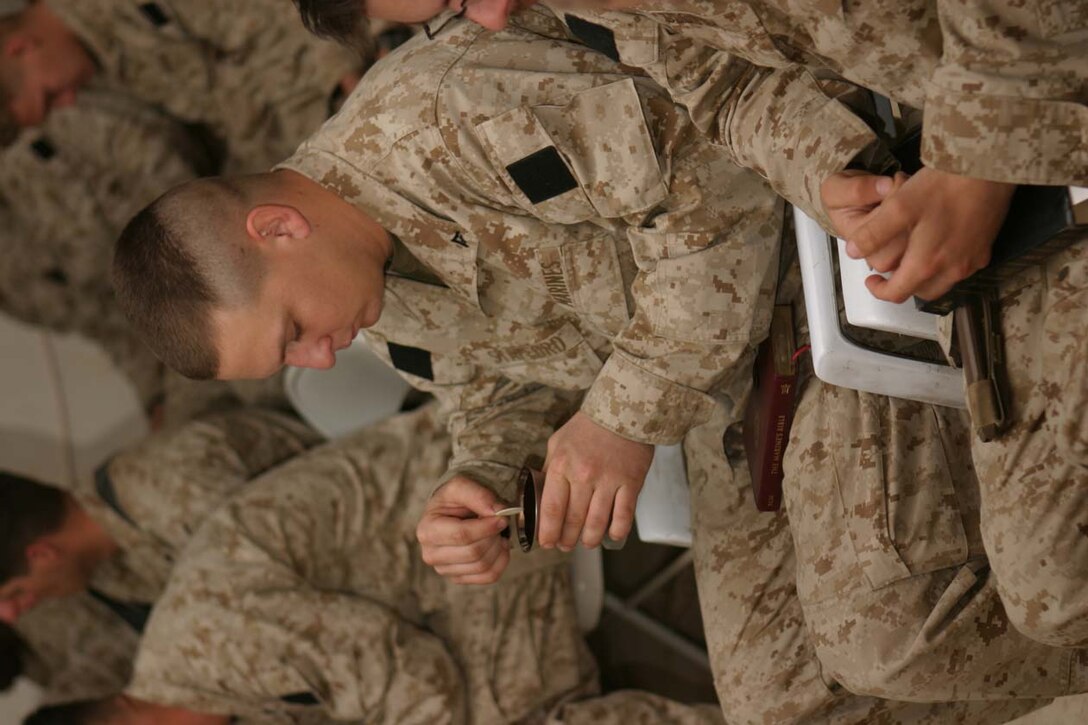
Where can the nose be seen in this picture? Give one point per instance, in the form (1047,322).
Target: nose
(491,14)
(319,354)
(9,611)
(14,607)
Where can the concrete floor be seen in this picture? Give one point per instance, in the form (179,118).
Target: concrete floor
(630,659)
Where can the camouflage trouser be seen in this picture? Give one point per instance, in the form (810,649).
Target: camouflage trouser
(633,707)
(517,643)
(762,654)
(896,588)
(1034,480)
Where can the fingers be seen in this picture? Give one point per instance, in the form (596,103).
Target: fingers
(854,188)
(929,267)
(889,257)
(490,576)
(889,221)
(437,530)
(462,561)
(623,512)
(458,535)
(577,508)
(460,491)
(600,513)
(553,507)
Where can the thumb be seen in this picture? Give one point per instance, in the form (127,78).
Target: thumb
(466,493)
(847,190)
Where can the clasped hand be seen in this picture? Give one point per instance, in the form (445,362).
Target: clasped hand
(592,481)
(930,230)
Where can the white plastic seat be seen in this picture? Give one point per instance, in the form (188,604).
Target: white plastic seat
(840,361)
(663,512)
(358,391)
(66,408)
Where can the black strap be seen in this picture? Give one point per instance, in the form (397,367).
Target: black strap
(135,615)
(155,15)
(103,486)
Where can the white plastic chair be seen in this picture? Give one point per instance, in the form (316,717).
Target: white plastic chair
(840,361)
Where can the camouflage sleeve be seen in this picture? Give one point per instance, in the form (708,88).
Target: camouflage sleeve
(793,130)
(707,260)
(171,482)
(279,605)
(287,76)
(703,233)
(77,648)
(779,120)
(1009,100)
(495,424)
(502,426)
(71,185)
(293,649)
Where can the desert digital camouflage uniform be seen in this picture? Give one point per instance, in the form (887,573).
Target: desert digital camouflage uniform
(244,69)
(1003,86)
(307,592)
(595,277)
(77,648)
(66,190)
(879,553)
(1002,83)
(764,656)
(151,498)
(555,231)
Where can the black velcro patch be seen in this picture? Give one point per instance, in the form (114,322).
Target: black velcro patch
(598,37)
(412,360)
(301,698)
(103,485)
(542,175)
(133,614)
(155,14)
(44,149)
(56,275)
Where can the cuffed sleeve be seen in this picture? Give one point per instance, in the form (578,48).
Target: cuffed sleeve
(296,649)
(1008,100)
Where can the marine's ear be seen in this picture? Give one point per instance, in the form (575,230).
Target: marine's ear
(42,551)
(276,222)
(16,45)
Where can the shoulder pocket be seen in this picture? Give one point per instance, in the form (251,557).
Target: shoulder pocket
(593,157)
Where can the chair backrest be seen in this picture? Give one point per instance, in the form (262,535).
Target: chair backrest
(358,391)
(66,408)
(663,512)
(840,361)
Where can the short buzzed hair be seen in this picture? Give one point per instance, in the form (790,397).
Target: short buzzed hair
(177,261)
(340,20)
(28,511)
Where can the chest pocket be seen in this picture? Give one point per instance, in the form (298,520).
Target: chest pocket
(586,277)
(593,157)
(562,359)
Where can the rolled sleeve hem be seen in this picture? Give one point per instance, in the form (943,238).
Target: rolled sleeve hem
(855,140)
(500,478)
(641,406)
